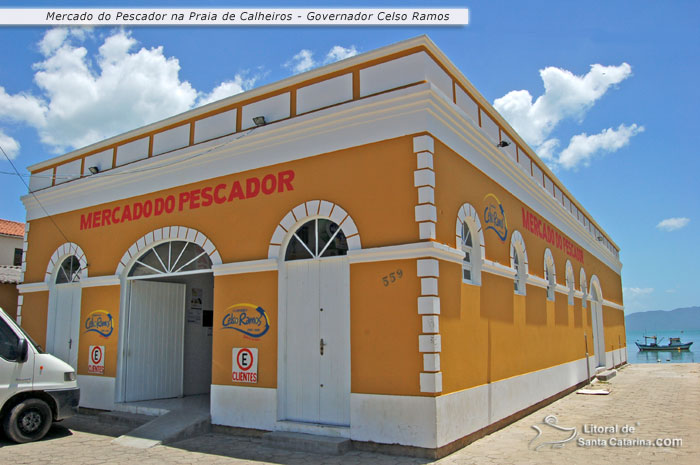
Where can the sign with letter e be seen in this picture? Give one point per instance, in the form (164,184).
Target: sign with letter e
(245,365)
(96,362)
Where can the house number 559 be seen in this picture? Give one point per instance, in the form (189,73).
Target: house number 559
(392,277)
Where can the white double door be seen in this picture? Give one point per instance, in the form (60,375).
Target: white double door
(155,340)
(63,339)
(317,368)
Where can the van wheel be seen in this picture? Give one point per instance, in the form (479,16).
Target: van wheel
(28,421)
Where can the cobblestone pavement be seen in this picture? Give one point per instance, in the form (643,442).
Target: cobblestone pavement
(659,401)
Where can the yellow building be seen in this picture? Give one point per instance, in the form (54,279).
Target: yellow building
(365,250)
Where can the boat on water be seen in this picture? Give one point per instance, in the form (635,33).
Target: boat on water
(674,343)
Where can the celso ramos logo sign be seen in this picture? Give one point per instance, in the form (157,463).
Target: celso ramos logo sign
(100,322)
(495,217)
(248,319)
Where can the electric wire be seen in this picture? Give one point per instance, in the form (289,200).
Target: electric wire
(33,195)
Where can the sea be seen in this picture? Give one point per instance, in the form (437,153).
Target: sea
(634,355)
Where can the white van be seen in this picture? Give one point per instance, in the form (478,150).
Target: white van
(36,388)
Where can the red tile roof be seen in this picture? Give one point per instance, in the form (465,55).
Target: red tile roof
(11,228)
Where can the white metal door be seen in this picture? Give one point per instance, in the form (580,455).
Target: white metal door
(155,336)
(317,370)
(66,331)
(335,333)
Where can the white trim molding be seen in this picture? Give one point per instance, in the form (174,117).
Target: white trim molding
(32,287)
(533,280)
(607,303)
(98,281)
(252,266)
(426,249)
(498,269)
(560,288)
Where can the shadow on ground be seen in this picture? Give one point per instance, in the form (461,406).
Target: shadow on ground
(57,431)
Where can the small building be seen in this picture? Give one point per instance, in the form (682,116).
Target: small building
(11,254)
(365,250)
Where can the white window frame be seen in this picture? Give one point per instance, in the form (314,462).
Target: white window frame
(584,287)
(468,217)
(468,261)
(570,281)
(518,253)
(550,274)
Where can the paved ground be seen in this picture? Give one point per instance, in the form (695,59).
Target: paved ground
(659,401)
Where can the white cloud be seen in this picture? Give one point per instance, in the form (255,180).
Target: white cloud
(672,224)
(338,53)
(632,292)
(546,150)
(228,88)
(9,145)
(52,40)
(583,147)
(84,98)
(22,107)
(565,96)
(302,61)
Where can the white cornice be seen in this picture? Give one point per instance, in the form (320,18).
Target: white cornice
(426,249)
(407,111)
(464,138)
(271,89)
(356,123)
(338,67)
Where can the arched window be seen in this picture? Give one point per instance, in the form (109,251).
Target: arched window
(584,287)
(550,274)
(171,257)
(69,271)
(518,262)
(467,246)
(316,238)
(570,282)
(470,239)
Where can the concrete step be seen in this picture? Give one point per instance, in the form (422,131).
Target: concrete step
(306,442)
(599,370)
(133,420)
(171,427)
(606,375)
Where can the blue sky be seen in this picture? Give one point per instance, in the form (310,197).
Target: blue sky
(620,135)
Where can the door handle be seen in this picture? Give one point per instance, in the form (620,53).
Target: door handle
(321,345)
(70,344)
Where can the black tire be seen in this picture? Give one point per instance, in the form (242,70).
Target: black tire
(28,421)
